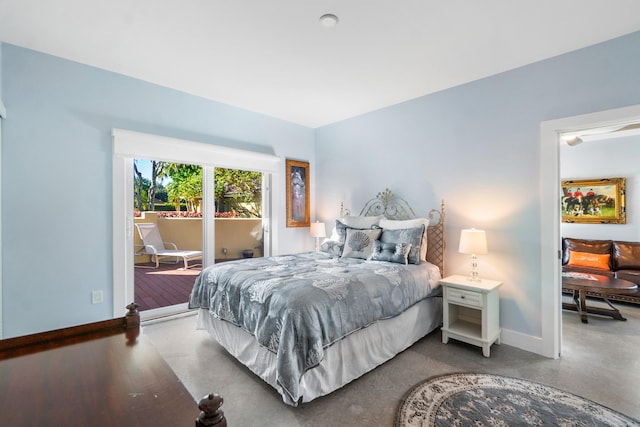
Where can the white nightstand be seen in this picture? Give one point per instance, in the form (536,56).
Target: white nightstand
(471,311)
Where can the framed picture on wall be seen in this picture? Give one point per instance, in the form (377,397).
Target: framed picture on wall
(297,174)
(594,201)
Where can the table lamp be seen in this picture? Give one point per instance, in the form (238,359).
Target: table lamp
(318,231)
(473,242)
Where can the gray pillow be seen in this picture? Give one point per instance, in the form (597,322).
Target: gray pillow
(390,252)
(359,243)
(406,235)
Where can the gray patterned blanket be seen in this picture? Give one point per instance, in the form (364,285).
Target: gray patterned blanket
(297,305)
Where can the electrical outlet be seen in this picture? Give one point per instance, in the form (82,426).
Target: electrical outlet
(224,250)
(96,297)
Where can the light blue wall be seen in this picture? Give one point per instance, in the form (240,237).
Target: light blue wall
(56,183)
(478,147)
(1,71)
(611,158)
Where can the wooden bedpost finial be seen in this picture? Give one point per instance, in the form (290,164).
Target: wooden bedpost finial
(211,414)
(132,323)
(132,318)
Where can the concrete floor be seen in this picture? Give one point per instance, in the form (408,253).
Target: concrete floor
(600,362)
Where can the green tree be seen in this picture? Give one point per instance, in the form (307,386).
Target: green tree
(158,171)
(235,190)
(186,184)
(140,187)
(146,191)
(239,190)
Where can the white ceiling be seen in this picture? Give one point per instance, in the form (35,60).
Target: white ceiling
(275,58)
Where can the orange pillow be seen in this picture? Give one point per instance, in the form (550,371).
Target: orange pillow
(588,259)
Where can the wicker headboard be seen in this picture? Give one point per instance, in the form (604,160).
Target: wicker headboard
(392,207)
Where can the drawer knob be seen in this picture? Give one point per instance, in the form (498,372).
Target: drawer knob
(462,296)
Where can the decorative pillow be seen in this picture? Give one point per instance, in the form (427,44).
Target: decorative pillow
(334,244)
(588,259)
(410,223)
(391,252)
(332,247)
(414,236)
(359,243)
(584,245)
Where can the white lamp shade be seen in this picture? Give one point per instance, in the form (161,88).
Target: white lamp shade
(318,229)
(473,242)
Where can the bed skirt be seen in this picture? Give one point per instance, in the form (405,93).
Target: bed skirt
(344,360)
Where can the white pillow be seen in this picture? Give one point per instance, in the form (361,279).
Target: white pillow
(393,224)
(361,221)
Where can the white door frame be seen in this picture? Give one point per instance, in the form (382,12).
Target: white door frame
(128,145)
(551,307)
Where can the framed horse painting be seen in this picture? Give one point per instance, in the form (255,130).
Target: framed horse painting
(297,174)
(594,201)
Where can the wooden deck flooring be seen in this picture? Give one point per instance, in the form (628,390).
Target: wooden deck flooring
(163,286)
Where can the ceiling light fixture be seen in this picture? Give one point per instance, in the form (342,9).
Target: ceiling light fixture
(601,133)
(572,140)
(329,20)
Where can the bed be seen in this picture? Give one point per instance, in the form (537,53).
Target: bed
(310,323)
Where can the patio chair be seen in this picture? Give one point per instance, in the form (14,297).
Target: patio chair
(154,246)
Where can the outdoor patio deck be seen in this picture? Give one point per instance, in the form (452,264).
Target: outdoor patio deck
(163,286)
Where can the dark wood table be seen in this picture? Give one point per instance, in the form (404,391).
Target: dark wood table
(100,374)
(581,283)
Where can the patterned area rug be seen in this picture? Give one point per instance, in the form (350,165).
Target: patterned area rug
(493,400)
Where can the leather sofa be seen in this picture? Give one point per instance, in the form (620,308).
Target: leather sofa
(623,262)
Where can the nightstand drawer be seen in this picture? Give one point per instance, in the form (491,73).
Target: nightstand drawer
(473,299)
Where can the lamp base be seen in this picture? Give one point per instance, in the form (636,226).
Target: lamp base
(473,276)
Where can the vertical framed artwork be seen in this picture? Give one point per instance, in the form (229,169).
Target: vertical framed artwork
(594,201)
(297,174)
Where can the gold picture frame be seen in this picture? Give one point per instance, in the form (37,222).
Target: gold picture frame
(297,174)
(594,201)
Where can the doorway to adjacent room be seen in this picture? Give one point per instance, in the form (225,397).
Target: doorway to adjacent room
(551,133)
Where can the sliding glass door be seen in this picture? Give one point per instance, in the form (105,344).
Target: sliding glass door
(251,239)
